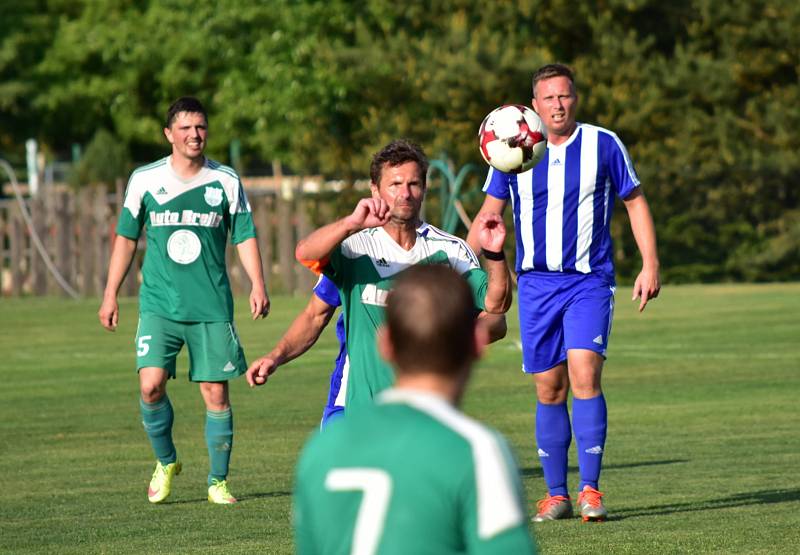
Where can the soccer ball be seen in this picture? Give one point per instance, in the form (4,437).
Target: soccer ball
(512,138)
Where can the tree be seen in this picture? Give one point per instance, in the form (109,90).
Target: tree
(704,94)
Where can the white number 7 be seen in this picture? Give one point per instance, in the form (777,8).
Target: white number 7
(377,487)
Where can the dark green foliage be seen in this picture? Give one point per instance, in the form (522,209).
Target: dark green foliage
(106,159)
(703,92)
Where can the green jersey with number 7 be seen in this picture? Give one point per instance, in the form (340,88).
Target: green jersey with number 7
(411,474)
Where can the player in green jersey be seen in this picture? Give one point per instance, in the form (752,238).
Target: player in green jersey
(363,252)
(412,474)
(187,205)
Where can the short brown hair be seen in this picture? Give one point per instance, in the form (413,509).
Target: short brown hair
(396,153)
(552,70)
(430,315)
(185,104)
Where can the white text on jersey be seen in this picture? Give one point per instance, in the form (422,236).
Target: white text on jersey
(185,217)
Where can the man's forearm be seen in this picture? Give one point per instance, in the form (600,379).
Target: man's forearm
(303,332)
(121,258)
(644,231)
(498,288)
(321,243)
(495,325)
(473,240)
(250,257)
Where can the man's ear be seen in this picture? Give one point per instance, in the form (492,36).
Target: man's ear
(374,189)
(534,106)
(168,134)
(480,338)
(385,347)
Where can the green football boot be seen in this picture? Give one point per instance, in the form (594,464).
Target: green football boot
(219,493)
(161,482)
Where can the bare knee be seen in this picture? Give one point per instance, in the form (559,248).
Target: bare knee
(552,386)
(585,371)
(215,395)
(152,391)
(152,384)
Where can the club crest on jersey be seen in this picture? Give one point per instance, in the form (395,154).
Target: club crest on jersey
(213,196)
(183,246)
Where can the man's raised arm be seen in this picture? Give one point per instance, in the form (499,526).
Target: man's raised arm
(314,250)
(491,234)
(491,205)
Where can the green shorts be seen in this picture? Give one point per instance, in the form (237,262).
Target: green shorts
(215,354)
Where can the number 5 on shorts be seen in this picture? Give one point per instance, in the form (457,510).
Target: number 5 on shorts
(376,484)
(142,348)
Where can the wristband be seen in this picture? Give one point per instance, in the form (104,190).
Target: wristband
(491,255)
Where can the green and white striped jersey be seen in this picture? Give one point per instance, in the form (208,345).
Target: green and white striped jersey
(364,267)
(410,474)
(187,224)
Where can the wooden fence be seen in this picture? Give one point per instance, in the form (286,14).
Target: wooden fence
(77,230)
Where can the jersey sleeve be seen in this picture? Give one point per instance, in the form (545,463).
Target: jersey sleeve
(242,226)
(335,266)
(326,290)
(131,217)
(478,282)
(506,528)
(497,184)
(620,168)
(466,263)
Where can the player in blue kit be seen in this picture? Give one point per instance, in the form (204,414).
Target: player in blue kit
(564,262)
(334,407)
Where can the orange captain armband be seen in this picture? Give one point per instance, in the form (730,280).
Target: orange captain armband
(315,266)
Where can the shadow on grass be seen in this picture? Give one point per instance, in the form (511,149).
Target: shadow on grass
(264,495)
(248,497)
(765,497)
(537,471)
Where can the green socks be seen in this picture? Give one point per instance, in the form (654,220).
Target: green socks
(157,421)
(219,439)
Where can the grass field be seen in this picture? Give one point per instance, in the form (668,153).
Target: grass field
(702,455)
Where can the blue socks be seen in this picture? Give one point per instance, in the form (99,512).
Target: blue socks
(553,436)
(157,421)
(219,439)
(590,421)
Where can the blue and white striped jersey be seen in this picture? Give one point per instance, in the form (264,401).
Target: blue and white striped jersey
(563,206)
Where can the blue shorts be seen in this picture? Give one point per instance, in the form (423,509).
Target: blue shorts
(336,394)
(559,312)
(326,290)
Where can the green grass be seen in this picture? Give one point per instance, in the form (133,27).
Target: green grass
(702,453)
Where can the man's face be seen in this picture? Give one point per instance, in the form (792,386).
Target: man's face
(556,103)
(403,190)
(187,134)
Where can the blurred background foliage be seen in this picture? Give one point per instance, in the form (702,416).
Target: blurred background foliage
(705,94)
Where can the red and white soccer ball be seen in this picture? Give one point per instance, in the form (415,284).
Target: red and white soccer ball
(512,138)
